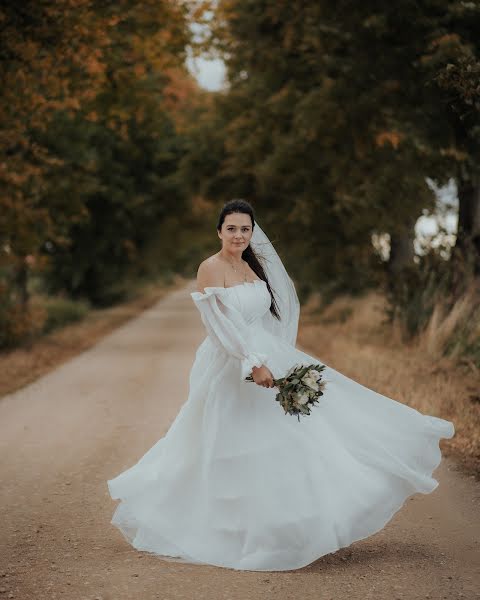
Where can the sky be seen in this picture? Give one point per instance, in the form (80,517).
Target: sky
(209,73)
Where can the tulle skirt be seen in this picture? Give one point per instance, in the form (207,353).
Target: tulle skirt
(236,483)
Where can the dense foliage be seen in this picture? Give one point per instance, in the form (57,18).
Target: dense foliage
(90,145)
(335,116)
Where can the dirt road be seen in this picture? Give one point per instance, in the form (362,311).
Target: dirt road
(62,437)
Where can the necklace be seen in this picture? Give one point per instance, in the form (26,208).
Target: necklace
(237,271)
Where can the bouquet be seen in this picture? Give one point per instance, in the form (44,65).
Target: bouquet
(299,389)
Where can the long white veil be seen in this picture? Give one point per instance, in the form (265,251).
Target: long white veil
(282,286)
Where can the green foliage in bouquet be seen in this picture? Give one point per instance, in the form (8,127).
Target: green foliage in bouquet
(299,389)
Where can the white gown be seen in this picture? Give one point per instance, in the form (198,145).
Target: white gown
(235,482)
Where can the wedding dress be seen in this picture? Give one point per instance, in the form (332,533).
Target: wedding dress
(236,482)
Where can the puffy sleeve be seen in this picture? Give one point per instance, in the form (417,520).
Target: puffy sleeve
(227,329)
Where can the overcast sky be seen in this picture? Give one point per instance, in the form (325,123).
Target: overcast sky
(209,73)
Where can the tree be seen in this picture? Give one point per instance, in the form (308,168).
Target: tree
(335,117)
(74,74)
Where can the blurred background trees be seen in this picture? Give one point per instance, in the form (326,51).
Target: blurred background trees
(90,147)
(338,113)
(338,122)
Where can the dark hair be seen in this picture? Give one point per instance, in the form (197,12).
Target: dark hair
(248,255)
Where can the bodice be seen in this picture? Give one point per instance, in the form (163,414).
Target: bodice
(251,298)
(234,318)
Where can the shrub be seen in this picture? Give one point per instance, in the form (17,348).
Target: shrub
(438,301)
(19,322)
(61,311)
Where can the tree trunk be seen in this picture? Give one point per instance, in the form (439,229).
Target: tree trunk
(21,281)
(468,231)
(401,250)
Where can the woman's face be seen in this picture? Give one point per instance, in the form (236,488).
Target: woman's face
(236,232)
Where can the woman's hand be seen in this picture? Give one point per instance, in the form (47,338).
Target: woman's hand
(262,376)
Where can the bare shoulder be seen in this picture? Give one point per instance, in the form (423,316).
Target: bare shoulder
(210,273)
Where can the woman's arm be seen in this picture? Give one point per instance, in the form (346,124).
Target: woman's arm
(223,331)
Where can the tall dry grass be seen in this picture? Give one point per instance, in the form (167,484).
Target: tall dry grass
(455,331)
(353,336)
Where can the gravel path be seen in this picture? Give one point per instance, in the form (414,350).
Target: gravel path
(62,437)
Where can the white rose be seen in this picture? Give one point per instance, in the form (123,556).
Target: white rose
(310,382)
(314,374)
(302,398)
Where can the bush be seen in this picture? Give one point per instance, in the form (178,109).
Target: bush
(19,323)
(61,311)
(438,302)
(455,331)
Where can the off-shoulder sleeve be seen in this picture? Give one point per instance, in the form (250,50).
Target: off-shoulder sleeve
(224,332)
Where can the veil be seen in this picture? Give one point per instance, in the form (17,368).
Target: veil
(282,286)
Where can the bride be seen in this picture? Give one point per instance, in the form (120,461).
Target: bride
(235,482)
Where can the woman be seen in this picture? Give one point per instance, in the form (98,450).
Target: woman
(236,482)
